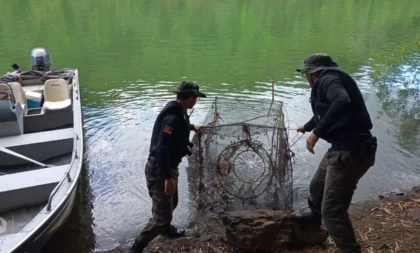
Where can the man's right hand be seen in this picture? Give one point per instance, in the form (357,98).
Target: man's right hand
(170,187)
(301,129)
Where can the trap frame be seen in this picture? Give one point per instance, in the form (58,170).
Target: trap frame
(241,157)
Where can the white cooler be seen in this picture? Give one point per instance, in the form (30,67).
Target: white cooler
(33,99)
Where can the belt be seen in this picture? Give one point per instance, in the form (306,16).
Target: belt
(358,143)
(152,160)
(351,137)
(153,163)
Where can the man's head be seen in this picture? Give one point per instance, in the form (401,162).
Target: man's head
(187,93)
(314,64)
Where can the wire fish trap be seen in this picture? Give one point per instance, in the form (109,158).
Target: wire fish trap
(241,157)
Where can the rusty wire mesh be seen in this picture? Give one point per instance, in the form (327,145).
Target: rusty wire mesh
(241,157)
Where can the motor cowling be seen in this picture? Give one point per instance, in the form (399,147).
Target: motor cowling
(40,59)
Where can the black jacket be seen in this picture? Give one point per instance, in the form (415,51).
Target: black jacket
(170,138)
(338,106)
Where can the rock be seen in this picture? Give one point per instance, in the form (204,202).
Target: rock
(383,195)
(414,214)
(206,238)
(416,189)
(382,246)
(266,230)
(397,192)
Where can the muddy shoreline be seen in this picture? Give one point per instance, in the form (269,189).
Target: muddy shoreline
(389,223)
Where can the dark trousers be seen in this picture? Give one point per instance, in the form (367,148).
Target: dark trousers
(162,207)
(332,189)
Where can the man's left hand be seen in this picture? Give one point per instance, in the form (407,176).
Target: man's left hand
(197,128)
(311,141)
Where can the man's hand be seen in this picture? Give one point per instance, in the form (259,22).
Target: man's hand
(197,128)
(170,187)
(301,129)
(311,141)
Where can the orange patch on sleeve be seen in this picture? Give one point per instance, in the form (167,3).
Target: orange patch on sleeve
(168,129)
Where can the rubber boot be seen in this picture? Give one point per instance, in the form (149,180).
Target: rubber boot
(137,247)
(175,232)
(310,219)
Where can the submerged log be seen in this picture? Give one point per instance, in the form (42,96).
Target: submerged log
(269,231)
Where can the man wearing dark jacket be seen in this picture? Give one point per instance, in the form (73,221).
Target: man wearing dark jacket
(169,144)
(340,118)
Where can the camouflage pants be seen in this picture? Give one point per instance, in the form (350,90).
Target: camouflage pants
(332,189)
(162,207)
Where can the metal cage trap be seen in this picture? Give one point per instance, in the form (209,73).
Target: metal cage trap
(241,157)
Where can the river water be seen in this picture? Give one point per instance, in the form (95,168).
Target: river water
(130,53)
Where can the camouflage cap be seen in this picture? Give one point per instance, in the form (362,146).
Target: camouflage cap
(189,87)
(316,62)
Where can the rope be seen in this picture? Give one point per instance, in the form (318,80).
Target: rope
(288,129)
(296,141)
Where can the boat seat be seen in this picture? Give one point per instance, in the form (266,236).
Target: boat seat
(56,95)
(19,93)
(11,114)
(39,88)
(39,146)
(6,94)
(30,187)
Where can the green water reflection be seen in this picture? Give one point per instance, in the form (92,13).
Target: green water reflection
(236,42)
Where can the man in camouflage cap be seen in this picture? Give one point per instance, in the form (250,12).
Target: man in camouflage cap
(340,118)
(170,142)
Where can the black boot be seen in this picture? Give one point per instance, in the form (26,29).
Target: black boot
(174,232)
(137,247)
(310,219)
(313,218)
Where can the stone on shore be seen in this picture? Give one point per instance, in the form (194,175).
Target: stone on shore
(269,231)
(414,214)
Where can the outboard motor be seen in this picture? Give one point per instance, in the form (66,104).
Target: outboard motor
(40,59)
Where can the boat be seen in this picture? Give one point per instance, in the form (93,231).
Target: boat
(41,152)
